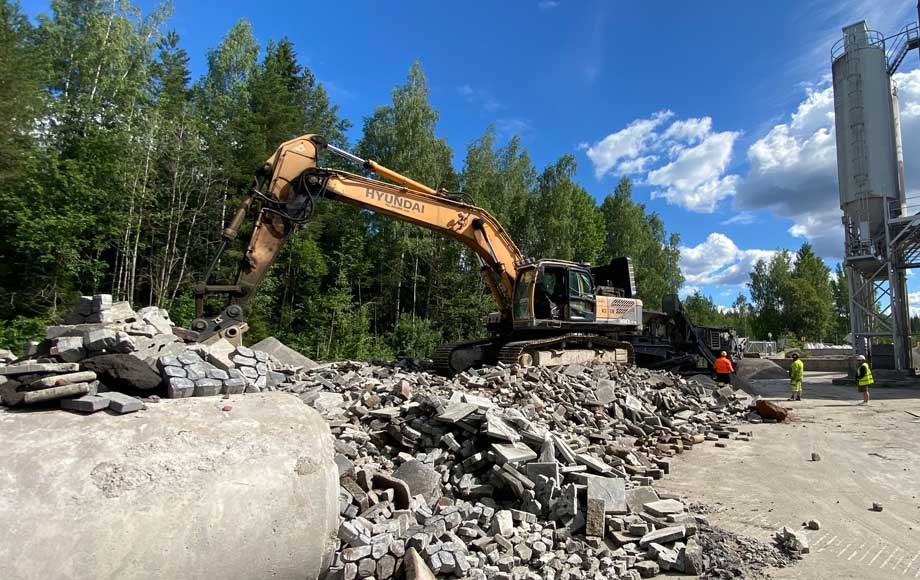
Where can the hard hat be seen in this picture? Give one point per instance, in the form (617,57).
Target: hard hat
(795,355)
(723,353)
(860,357)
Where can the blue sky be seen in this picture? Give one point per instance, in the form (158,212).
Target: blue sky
(721,112)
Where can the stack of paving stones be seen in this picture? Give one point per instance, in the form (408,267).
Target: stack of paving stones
(201,372)
(513,473)
(107,352)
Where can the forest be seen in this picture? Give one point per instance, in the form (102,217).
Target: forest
(118,170)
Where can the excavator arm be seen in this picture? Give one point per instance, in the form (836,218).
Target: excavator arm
(285,192)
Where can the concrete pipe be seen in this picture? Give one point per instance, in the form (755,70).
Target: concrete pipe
(183,489)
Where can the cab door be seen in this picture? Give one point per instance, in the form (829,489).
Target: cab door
(582,300)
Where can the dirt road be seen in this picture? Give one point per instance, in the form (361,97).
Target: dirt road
(868,454)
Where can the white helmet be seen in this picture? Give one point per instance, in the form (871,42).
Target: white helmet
(860,358)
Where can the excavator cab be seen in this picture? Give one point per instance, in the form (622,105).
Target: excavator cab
(551,293)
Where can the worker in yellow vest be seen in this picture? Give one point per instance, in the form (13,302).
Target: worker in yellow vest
(863,378)
(796,372)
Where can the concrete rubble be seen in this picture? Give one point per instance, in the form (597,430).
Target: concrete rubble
(500,473)
(513,473)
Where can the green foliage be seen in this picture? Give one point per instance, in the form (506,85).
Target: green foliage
(570,226)
(630,231)
(702,310)
(414,337)
(16,333)
(770,287)
(118,172)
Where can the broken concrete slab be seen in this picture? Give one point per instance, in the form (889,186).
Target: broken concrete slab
(639,496)
(664,507)
(50,394)
(219,352)
(611,490)
(606,392)
(32,368)
(283,353)
(421,479)
(513,453)
(61,380)
(664,535)
(455,412)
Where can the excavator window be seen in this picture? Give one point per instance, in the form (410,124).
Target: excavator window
(522,291)
(550,296)
(582,301)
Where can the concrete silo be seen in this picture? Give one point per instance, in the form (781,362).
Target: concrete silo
(870,174)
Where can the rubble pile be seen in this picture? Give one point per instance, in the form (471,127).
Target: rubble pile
(500,473)
(729,555)
(107,355)
(514,473)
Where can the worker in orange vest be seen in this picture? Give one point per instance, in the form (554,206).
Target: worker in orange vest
(724,369)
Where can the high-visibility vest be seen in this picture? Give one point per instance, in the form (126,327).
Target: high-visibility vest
(796,371)
(867,379)
(723,366)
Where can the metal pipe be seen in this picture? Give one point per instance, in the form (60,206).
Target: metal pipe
(345,154)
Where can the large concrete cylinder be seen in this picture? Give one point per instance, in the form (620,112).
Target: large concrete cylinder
(181,490)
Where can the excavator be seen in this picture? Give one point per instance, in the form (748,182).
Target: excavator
(550,312)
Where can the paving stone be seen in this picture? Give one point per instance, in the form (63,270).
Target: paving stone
(503,523)
(85,404)
(179,387)
(234,386)
(121,403)
(208,387)
(647,569)
(101,339)
(595,517)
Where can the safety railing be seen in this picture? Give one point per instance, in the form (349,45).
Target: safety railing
(900,44)
(874,39)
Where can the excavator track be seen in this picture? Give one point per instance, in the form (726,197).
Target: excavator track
(455,357)
(512,352)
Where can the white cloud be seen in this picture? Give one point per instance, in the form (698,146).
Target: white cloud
(690,130)
(548,4)
(687,290)
(793,168)
(717,260)
(686,161)
(627,143)
(913,300)
(481,97)
(695,180)
(744,218)
(506,128)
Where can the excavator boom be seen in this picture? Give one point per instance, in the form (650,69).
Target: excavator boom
(286,190)
(549,311)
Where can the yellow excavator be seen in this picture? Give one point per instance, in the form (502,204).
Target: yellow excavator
(550,312)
